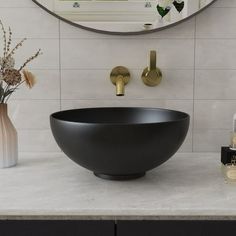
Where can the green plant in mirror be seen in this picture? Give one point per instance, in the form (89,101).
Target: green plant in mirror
(167,5)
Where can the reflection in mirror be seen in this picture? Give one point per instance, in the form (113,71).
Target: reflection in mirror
(124,15)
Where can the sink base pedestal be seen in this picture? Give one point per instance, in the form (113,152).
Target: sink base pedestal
(120,177)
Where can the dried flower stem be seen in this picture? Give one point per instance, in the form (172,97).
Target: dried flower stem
(15,48)
(5,90)
(4,39)
(7,98)
(30,59)
(9,40)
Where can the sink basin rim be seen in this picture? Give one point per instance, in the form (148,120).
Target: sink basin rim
(183,114)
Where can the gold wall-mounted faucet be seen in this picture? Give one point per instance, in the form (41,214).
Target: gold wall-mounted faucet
(120,76)
(152,75)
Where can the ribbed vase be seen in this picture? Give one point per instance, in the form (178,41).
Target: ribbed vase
(8,140)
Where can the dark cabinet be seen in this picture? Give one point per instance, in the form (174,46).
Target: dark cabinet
(219,228)
(56,228)
(159,228)
(176,228)
(119,228)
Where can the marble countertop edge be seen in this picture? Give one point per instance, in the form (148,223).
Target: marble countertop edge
(102,215)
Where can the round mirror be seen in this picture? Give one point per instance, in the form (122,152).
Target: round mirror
(123,16)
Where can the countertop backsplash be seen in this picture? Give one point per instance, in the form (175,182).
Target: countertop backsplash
(198,59)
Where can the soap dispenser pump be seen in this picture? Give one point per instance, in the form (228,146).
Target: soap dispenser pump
(228,156)
(233,134)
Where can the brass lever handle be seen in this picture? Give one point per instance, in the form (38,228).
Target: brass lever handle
(152,75)
(153,60)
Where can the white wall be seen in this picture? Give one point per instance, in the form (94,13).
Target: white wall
(198,59)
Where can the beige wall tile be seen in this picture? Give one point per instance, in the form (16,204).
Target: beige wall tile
(96,84)
(37,141)
(215,53)
(214,114)
(225,3)
(21,22)
(215,84)
(132,53)
(199,74)
(207,140)
(212,19)
(47,86)
(16,3)
(49,60)
(32,114)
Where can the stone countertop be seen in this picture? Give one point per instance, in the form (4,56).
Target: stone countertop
(51,186)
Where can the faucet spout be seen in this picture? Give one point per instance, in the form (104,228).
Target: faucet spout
(120,76)
(120,86)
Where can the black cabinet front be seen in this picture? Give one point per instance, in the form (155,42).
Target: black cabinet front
(120,228)
(176,228)
(57,228)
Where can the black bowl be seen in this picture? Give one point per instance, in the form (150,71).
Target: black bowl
(119,143)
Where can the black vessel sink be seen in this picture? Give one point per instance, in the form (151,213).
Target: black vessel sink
(119,143)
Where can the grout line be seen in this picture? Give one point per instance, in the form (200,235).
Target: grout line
(33,99)
(60,75)
(124,99)
(138,69)
(131,99)
(163,68)
(149,38)
(126,38)
(29,7)
(216,38)
(194,79)
(39,38)
(13,7)
(213,129)
(49,129)
(34,129)
(138,37)
(108,69)
(110,38)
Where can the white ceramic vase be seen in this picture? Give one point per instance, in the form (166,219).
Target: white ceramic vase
(8,140)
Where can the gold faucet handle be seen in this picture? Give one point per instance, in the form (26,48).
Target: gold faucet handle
(153,60)
(152,75)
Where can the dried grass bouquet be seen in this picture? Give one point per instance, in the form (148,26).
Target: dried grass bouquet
(10,77)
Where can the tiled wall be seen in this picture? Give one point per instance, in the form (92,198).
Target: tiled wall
(198,59)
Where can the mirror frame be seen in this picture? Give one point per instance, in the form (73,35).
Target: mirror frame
(121,33)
